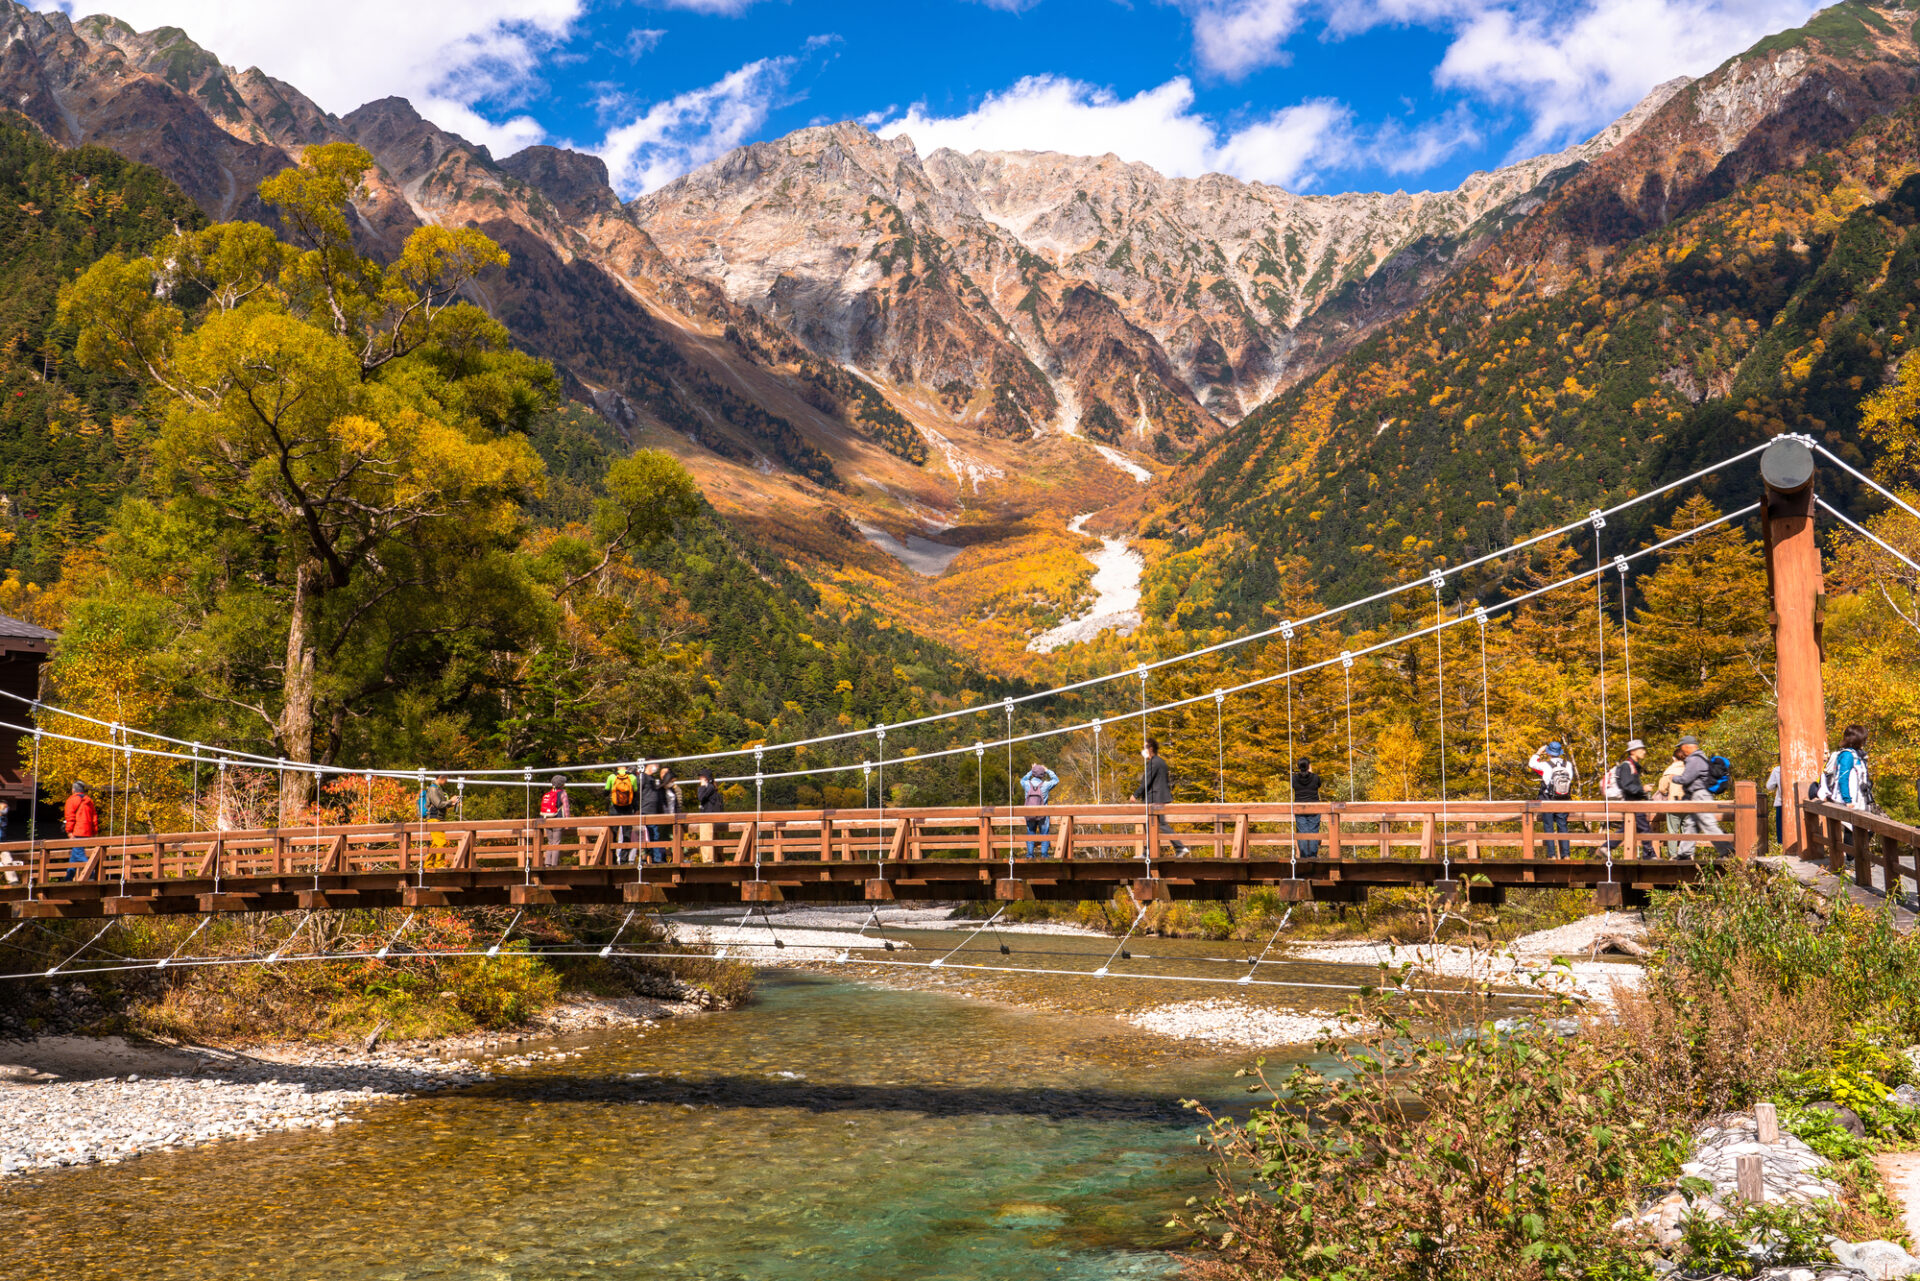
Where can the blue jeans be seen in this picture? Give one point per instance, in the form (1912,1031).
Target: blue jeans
(1040,827)
(657,834)
(1555,821)
(1307,823)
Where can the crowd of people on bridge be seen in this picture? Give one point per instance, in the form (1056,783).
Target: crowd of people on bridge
(650,791)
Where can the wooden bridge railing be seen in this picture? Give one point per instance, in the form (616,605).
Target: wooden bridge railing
(1460,830)
(1837,833)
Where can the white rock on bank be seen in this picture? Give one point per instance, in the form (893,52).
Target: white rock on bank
(1222,1022)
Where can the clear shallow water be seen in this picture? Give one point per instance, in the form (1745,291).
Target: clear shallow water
(831,1130)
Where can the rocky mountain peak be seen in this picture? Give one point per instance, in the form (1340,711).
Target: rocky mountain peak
(576,183)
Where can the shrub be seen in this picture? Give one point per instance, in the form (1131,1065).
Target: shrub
(1425,1155)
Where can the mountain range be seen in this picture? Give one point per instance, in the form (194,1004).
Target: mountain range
(853,344)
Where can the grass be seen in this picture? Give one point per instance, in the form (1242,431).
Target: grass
(1387,915)
(1428,1144)
(408,995)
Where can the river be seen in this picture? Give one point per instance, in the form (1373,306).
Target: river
(833,1130)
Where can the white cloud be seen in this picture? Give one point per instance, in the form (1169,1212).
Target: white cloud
(688,130)
(1156,127)
(1573,70)
(1234,37)
(642,41)
(443,55)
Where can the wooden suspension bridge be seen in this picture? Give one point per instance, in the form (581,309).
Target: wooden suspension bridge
(1475,849)
(1470,849)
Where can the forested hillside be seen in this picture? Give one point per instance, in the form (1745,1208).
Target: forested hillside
(521,622)
(1582,358)
(69,437)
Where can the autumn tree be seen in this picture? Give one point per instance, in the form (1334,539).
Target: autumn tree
(338,475)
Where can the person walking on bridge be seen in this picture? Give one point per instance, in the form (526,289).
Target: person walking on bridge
(623,797)
(1627,783)
(1156,787)
(1695,783)
(653,802)
(1037,786)
(1845,781)
(1556,772)
(555,805)
(1306,791)
(711,800)
(82,820)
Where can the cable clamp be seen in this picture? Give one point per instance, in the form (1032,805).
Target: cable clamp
(1620,564)
(1480,616)
(1346,660)
(1438,579)
(1141,672)
(1286,629)
(880,732)
(1219,696)
(1597,518)
(979,749)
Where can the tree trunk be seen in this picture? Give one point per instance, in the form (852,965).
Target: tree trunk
(296,713)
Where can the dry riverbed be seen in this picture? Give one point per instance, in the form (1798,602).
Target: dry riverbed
(74,1100)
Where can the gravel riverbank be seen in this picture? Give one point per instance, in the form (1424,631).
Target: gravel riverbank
(74,1100)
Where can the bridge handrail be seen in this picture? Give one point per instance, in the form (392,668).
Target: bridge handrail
(1840,834)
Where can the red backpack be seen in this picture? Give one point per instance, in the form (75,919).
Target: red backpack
(550,803)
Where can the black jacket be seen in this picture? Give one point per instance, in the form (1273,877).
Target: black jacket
(1155,785)
(652,796)
(1632,786)
(1306,785)
(712,800)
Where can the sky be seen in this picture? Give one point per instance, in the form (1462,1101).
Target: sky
(1310,95)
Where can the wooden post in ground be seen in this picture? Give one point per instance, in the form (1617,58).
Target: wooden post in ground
(1749,1183)
(1798,595)
(1747,841)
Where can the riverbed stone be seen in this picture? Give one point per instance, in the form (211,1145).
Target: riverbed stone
(1877,1260)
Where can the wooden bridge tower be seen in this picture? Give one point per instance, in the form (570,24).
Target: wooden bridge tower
(1798,600)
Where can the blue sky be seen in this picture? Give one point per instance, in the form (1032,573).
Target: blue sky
(1313,95)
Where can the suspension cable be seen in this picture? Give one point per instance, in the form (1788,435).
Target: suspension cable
(1035,735)
(1440,700)
(1600,631)
(1486,696)
(1104,678)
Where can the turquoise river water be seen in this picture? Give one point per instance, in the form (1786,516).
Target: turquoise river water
(833,1129)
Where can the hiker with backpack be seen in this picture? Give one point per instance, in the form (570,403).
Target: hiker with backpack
(1845,781)
(555,805)
(1306,791)
(1702,777)
(1556,772)
(1625,782)
(623,797)
(1037,786)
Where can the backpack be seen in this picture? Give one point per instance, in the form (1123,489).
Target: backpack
(1036,790)
(1557,782)
(550,804)
(423,803)
(1719,774)
(1610,785)
(622,789)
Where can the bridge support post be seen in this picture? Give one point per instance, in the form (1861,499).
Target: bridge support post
(1011,890)
(1609,894)
(1447,891)
(1798,596)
